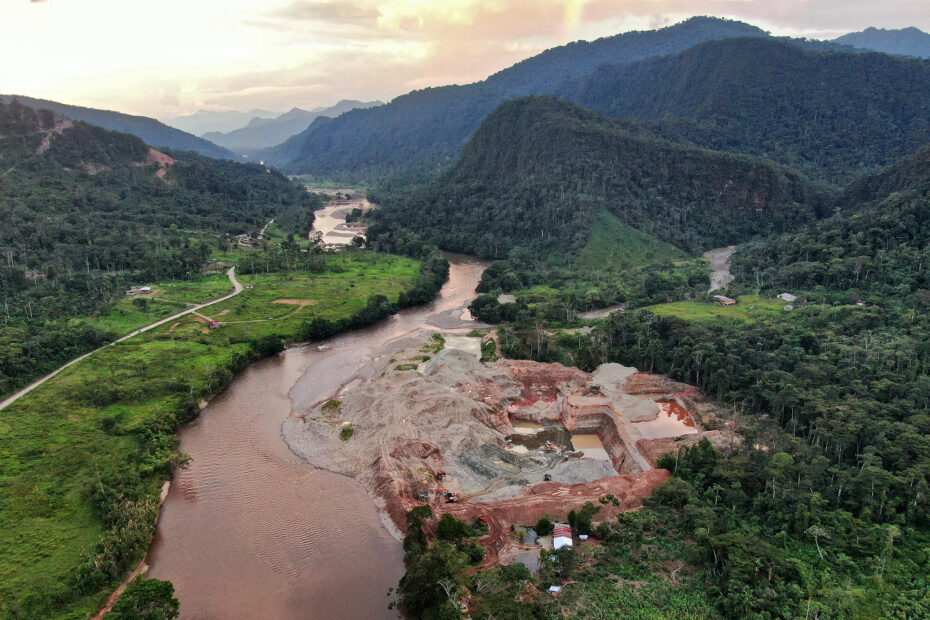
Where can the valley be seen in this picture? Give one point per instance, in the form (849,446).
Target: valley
(637,327)
(279,533)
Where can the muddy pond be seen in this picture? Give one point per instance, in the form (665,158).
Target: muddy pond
(249,530)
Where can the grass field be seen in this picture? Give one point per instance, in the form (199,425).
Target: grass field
(113,417)
(167,298)
(748,308)
(615,245)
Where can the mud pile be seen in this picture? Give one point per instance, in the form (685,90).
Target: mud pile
(426,421)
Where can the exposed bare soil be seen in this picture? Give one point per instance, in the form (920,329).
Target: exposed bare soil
(417,415)
(295,302)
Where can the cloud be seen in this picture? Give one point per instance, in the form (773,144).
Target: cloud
(328,12)
(281,53)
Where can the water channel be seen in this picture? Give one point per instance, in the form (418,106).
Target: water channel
(248,530)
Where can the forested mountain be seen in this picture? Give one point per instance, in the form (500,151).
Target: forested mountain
(904,42)
(540,170)
(147,129)
(260,133)
(830,115)
(85,211)
(425,129)
(848,381)
(822,511)
(876,249)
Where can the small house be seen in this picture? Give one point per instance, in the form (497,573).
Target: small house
(788,297)
(561,536)
(724,301)
(214,324)
(143,290)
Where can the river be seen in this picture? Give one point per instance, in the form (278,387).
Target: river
(249,530)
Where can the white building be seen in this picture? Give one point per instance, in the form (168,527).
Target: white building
(561,536)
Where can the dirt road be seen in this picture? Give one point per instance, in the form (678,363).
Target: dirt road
(237,288)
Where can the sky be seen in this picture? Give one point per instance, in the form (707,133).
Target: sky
(173,57)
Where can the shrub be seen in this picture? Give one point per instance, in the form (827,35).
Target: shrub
(146,599)
(450,528)
(346,433)
(544,526)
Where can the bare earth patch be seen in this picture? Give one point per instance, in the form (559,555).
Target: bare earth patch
(295,302)
(160,159)
(449,426)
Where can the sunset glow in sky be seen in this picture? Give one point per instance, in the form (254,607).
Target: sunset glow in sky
(174,57)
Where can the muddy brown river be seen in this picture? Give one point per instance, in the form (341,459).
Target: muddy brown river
(251,531)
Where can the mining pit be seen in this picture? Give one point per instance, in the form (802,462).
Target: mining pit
(512,440)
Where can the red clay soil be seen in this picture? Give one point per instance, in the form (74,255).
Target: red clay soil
(162,160)
(653,449)
(539,381)
(642,384)
(554,499)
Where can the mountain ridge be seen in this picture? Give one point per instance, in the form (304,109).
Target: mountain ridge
(262,133)
(425,129)
(813,110)
(539,168)
(904,41)
(149,130)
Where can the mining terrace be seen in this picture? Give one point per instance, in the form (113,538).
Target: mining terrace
(512,440)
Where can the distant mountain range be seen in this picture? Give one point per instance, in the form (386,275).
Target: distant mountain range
(151,131)
(260,133)
(904,42)
(423,131)
(831,115)
(204,121)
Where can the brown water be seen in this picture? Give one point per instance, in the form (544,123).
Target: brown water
(591,445)
(673,420)
(249,530)
(521,427)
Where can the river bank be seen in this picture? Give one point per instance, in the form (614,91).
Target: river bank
(248,529)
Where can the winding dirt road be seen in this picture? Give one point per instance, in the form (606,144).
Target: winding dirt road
(237,288)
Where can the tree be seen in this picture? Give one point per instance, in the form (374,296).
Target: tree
(450,528)
(419,588)
(544,526)
(146,599)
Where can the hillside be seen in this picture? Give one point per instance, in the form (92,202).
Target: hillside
(903,42)
(424,130)
(830,115)
(147,129)
(260,133)
(87,211)
(875,249)
(830,393)
(539,169)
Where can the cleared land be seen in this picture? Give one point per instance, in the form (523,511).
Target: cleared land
(748,308)
(619,245)
(94,443)
(133,312)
